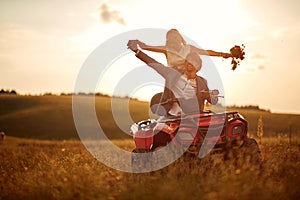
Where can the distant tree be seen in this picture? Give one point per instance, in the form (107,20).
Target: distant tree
(81,93)
(47,94)
(2,91)
(13,92)
(66,94)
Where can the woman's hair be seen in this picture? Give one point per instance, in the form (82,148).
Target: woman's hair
(172,33)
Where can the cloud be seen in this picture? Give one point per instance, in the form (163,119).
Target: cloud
(261,67)
(258,57)
(260,61)
(257,62)
(109,16)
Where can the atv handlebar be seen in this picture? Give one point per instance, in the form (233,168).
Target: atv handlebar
(214,92)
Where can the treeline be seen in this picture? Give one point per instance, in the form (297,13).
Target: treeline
(11,92)
(79,93)
(99,94)
(249,107)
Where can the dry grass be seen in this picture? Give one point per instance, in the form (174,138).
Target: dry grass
(32,169)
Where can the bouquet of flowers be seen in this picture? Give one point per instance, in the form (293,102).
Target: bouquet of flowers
(238,54)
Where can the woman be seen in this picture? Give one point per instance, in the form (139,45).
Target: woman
(176,49)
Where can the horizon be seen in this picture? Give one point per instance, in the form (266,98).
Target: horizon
(48,93)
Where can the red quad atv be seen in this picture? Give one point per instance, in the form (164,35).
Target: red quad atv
(192,134)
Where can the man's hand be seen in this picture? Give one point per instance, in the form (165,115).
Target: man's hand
(207,94)
(132,45)
(215,92)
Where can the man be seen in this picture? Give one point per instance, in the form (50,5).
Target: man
(185,92)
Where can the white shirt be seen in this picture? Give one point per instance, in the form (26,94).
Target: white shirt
(184,88)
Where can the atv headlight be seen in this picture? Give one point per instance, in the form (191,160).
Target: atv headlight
(142,125)
(237,130)
(134,128)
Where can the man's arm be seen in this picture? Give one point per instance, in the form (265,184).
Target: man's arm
(203,92)
(160,68)
(210,97)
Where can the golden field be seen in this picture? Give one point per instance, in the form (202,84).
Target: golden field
(34,169)
(42,158)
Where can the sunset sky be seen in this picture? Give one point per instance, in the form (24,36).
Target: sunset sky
(43,44)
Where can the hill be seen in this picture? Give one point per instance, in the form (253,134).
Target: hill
(50,117)
(274,124)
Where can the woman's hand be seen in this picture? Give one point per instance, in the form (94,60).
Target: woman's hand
(226,55)
(141,44)
(132,45)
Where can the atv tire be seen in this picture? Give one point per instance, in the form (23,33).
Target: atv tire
(251,151)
